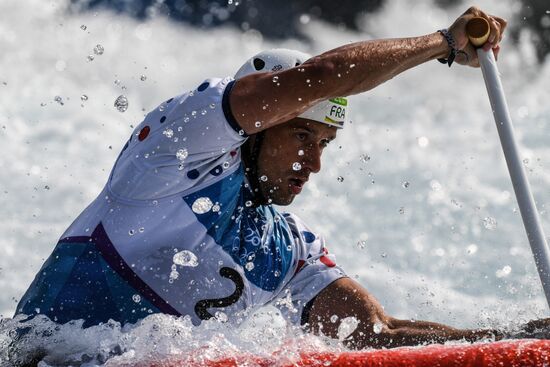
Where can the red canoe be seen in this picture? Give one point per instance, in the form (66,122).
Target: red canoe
(524,353)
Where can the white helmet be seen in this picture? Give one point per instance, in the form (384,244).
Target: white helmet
(331,112)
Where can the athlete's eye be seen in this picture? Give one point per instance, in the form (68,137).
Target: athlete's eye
(301,136)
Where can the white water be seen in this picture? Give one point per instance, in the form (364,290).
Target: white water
(449,246)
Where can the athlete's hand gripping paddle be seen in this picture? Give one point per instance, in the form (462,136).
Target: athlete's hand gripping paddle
(478,31)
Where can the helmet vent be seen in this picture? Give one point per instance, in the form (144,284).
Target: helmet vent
(258,63)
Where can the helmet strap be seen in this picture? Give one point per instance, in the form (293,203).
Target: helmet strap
(252,154)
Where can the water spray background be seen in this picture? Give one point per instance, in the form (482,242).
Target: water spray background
(424,217)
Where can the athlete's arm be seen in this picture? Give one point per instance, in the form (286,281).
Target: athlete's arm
(346,298)
(274,98)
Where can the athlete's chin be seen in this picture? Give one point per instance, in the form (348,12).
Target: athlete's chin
(283,199)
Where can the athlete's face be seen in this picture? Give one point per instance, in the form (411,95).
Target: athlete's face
(290,152)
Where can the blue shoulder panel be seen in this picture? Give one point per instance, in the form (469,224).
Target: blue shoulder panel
(257,238)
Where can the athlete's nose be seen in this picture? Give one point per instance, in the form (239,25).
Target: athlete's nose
(312,159)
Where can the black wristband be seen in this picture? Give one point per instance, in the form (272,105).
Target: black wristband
(452,44)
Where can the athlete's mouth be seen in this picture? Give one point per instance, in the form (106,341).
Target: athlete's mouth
(296,185)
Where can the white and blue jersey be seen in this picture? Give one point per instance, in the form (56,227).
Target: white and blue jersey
(174,230)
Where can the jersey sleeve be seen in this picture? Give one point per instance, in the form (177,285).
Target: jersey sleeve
(187,142)
(315,270)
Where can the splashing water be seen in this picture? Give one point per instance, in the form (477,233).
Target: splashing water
(181,154)
(99,50)
(153,340)
(121,103)
(186,258)
(202,205)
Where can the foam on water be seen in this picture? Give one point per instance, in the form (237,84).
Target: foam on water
(449,246)
(155,338)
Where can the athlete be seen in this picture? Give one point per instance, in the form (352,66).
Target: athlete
(186,225)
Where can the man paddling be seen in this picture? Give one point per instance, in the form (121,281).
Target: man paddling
(186,225)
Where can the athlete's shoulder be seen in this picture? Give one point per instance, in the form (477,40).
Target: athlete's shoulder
(299,228)
(184,141)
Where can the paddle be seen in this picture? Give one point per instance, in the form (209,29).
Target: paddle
(478,31)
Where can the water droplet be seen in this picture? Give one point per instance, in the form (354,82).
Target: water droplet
(98,49)
(364,158)
(526,161)
(241,132)
(276,273)
(333,319)
(504,272)
(377,327)
(59,100)
(136,298)
(141,230)
(202,205)
(405,184)
(300,152)
(83,27)
(90,58)
(216,208)
(471,249)
(347,326)
(248,203)
(173,276)
(220,316)
(435,185)
(423,142)
(362,244)
(263,178)
(204,112)
(186,258)
(352,66)
(169,133)
(83,97)
(131,232)
(121,103)
(194,113)
(275,79)
(212,105)
(186,119)
(340,179)
(181,154)
(143,78)
(402,210)
(296,166)
(162,107)
(490,223)
(249,266)
(257,124)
